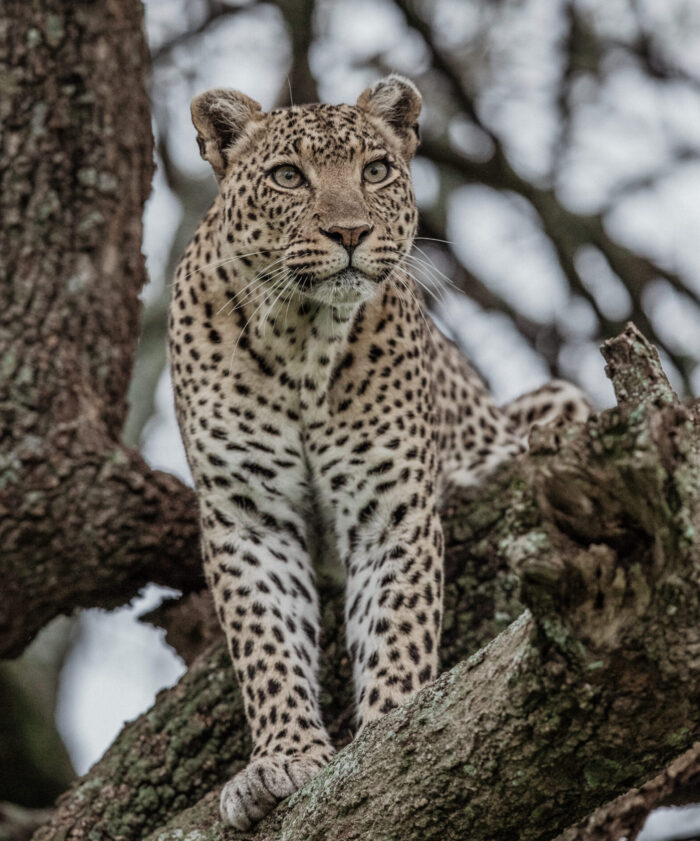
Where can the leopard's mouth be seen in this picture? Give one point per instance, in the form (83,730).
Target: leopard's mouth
(348,286)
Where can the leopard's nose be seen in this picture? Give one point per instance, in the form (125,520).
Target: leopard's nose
(349,238)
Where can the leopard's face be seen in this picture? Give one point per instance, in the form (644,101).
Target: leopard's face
(316,200)
(319,201)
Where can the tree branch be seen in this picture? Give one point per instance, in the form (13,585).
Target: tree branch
(83,521)
(217,11)
(566,230)
(299,87)
(592,691)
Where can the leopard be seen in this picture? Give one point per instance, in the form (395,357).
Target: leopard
(314,392)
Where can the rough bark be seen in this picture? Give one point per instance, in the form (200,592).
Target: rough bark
(82,520)
(595,689)
(196,734)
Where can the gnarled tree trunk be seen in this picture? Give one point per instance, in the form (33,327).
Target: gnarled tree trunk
(83,521)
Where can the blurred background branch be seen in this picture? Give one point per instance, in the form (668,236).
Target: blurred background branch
(555,176)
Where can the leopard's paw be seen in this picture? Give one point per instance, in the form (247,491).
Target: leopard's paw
(257,789)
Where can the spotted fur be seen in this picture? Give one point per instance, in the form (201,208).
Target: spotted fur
(311,386)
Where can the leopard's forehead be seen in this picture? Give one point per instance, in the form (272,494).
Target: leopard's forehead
(327,132)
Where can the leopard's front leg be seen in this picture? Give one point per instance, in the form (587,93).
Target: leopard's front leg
(262,581)
(394,604)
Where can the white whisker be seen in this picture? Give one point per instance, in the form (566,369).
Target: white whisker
(412,296)
(266,297)
(286,287)
(437,239)
(429,239)
(266,276)
(428,262)
(231,258)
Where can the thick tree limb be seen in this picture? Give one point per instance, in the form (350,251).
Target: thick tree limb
(83,521)
(593,691)
(196,734)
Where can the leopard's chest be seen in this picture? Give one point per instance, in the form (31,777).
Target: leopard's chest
(264,417)
(329,423)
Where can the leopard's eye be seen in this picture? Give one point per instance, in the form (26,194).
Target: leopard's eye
(287,176)
(375,172)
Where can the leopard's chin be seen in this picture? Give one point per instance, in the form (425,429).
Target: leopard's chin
(344,288)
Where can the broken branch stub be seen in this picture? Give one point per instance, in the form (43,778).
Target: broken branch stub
(620,497)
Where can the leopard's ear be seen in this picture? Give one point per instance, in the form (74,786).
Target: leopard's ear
(396,102)
(221,116)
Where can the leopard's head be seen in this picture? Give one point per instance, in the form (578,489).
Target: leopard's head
(317,198)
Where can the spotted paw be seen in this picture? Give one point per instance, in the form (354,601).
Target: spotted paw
(256,790)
